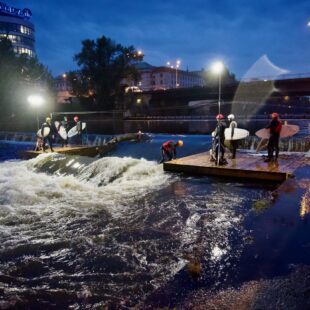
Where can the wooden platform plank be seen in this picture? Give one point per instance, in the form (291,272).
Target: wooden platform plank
(90,151)
(245,166)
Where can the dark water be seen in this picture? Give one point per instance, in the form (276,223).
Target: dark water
(80,233)
(180,126)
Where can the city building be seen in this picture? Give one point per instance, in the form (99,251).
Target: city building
(15,25)
(162,78)
(151,79)
(63,89)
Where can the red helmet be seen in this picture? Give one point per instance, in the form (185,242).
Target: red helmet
(220,116)
(76,118)
(274,115)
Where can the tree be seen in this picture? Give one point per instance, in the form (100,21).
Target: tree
(20,76)
(8,74)
(104,65)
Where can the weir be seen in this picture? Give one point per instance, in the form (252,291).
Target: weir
(300,144)
(88,139)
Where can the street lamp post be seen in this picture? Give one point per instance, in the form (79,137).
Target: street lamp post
(36,101)
(177,66)
(217,68)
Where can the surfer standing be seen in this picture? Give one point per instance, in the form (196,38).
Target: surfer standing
(168,150)
(79,129)
(234,143)
(275,127)
(49,137)
(219,138)
(64,123)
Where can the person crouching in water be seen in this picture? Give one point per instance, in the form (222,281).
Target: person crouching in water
(48,138)
(219,138)
(234,143)
(168,150)
(275,127)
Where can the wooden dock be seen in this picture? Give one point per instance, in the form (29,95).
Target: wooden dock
(90,151)
(246,166)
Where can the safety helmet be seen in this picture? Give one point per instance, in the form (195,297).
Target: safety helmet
(76,118)
(231,116)
(274,115)
(180,143)
(48,119)
(220,116)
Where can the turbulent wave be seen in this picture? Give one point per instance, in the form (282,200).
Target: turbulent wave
(108,232)
(50,179)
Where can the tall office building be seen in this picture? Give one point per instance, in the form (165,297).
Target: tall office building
(15,25)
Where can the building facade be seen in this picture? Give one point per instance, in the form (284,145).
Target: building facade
(15,25)
(162,78)
(63,89)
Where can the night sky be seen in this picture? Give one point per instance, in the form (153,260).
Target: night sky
(197,32)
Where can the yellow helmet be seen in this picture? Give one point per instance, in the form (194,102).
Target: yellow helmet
(180,143)
(48,119)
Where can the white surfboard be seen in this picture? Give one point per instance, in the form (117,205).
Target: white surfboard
(46,132)
(61,130)
(73,131)
(286,131)
(261,145)
(238,134)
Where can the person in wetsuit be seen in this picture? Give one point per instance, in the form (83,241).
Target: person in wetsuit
(78,123)
(234,143)
(275,127)
(49,138)
(168,150)
(65,124)
(219,138)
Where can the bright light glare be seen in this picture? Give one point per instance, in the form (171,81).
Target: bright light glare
(35,100)
(308,24)
(217,67)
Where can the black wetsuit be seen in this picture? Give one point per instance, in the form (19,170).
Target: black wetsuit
(219,139)
(49,138)
(275,127)
(79,129)
(65,124)
(234,143)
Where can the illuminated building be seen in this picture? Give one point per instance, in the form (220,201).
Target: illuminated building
(162,78)
(15,25)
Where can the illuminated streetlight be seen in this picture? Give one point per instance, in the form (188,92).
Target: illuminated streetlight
(308,24)
(36,101)
(218,68)
(64,75)
(176,66)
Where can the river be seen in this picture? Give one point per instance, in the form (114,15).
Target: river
(119,232)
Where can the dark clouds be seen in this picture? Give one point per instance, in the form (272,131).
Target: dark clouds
(197,31)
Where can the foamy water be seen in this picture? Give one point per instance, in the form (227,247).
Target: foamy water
(114,228)
(78,232)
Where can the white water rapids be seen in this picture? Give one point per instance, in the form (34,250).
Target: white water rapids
(109,231)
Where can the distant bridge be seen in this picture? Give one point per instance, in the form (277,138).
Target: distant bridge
(289,85)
